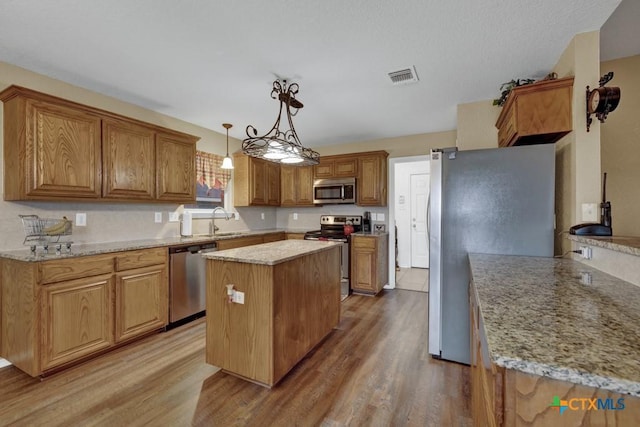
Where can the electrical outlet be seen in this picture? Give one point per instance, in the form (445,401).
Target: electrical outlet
(379,227)
(238,297)
(158,217)
(374,216)
(295,216)
(81,220)
(585,252)
(174,217)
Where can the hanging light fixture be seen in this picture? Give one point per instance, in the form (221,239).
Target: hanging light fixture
(227,163)
(276,145)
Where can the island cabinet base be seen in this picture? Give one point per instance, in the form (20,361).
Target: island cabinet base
(288,309)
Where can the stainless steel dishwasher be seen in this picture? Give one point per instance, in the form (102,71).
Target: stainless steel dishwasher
(187,282)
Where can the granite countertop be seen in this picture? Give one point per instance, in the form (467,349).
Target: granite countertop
(627,245)
(540,319)
(272,253)
(85,249)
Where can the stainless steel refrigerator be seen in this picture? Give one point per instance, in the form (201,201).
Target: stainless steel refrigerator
(495,201)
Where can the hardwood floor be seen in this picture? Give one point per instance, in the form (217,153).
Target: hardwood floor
(373,370)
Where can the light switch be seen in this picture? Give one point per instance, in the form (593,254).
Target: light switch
(295,216)
(174,217)
(158,217)
(374,216)
(261,215)
(380,217)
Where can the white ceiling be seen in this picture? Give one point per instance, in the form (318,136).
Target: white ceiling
(209,62)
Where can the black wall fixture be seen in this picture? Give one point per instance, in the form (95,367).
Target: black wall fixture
(602,100)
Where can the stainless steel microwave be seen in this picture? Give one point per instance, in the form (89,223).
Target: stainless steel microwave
(332,191)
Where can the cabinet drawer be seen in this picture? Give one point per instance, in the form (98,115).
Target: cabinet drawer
(75,268)
(364,242)
(140,258)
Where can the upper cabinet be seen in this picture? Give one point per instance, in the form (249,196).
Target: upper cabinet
(175,167)
(52,151)
(342,166)
(69,151)
(371,185)
(256,182)
(129,160)
(536,114)
(296,187)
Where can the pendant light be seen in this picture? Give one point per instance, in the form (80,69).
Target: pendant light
(281,146)
(227,163)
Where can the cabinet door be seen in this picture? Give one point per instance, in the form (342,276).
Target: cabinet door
(128,161)
(324,169)
(363,270)
(258,185)
(372,185)
(363,264)
(142,303)
(77,319)
(62,153)
(273,191)
(296,185)
(346,167)
(304,186)
(288,185)
(175,168)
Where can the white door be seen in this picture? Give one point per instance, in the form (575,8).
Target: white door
(419,235)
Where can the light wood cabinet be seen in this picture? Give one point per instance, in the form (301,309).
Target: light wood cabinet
(537,113)
(296,185)
(501,396)
(369,266)
(340,166)
(141,301)
(56,148)
(371,186)
(77,319)
(288,309)
(239,242)
(256,182)
(128,153)
(57,312)
(175,167)
(273,188)
(70,151)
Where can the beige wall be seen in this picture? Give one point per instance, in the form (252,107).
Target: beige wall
(109,221)
(476,125)
(578,177)
(620,147)
(402,146)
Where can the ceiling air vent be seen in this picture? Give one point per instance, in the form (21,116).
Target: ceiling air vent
(403,77)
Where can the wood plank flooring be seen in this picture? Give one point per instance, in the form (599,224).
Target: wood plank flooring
(372,370)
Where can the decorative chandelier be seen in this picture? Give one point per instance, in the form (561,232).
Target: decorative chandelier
(276,145)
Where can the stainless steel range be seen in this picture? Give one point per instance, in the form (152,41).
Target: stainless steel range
(332,229)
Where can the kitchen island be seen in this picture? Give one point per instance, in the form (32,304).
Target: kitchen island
(549,334)
(290,303)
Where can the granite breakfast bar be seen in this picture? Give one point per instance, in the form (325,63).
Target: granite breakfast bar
(546,327)
(290,303)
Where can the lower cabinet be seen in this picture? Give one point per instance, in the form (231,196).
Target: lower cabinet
(59,311)
(77,319)
(141,302)
(238,242)
(509,397)
(369,266)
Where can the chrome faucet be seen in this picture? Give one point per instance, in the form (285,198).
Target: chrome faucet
(213,228)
